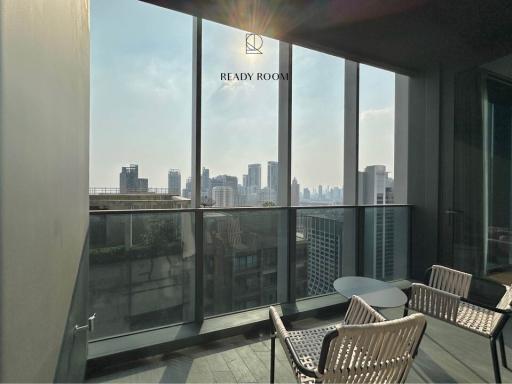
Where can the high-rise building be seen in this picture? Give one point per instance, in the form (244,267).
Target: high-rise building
(254,177)
(374,185)
(337,195)
(272,175)
(223,196)
(323,235)
(307,194)
(320,193)
(224,181)
(129,181)
(187,192)
(380,257)
(205,180)
(245,181)
(174,182)
(295,192)
(242,259)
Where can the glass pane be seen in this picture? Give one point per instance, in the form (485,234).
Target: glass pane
(318,125)
(141,271)
(322,249)
(386,242)
(239,119)
(141,84)
(499,180)
(244,259)
(376,135)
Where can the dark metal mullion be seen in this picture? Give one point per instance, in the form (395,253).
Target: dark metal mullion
(292,259)
(199,270)
(196,167)
(286,268)
(409,241)
(360,214)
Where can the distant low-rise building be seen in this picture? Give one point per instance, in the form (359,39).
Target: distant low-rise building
(123,201)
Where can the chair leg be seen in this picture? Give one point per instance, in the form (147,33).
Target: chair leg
(272,357)
(502,350)
(495,364)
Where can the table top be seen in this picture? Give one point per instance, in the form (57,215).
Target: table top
(376,293)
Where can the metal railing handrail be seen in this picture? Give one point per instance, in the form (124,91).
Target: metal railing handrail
(235,209)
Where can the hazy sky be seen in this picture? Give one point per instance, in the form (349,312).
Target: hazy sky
(141,80)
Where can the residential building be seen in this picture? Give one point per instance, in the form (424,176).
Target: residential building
(174,182)
(223,196)
(254,177)
(295,192)
(272,175)
(129,181)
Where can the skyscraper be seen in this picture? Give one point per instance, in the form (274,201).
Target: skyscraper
(129,181)
(374,185)
(174,182)
(307,194)
(323,235)
(187,192)
(272,175)
(254,177)
(381,260)
(223,196)
(205,180)
(295,192)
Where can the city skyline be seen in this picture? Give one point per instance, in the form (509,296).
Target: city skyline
(176,174)
(229,190)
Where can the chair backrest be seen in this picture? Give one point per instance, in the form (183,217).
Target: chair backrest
(372,353)
(450,280)
(359,312)
(506,299)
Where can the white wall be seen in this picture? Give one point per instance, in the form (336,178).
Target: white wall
(44,134)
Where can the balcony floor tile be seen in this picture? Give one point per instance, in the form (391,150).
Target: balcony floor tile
(446,355)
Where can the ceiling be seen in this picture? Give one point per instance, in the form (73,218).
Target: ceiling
(403,35)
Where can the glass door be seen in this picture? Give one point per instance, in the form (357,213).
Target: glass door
(497,118)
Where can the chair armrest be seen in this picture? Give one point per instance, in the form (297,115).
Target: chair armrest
(359,312)
(488,307)
(277,324)
(434,302)
(283,335)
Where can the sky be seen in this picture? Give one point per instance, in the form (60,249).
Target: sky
(141,102)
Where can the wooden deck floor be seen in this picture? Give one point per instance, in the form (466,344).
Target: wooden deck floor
(447,355)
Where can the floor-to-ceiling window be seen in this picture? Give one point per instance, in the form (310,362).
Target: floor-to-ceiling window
(239,119)
(158,261)
(384,227)
(317,168)
(141,263)
(317,128)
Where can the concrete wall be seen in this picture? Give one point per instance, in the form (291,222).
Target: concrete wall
(44,134)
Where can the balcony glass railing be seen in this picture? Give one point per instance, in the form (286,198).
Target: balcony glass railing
(142,270)
(158,268)
(244,256)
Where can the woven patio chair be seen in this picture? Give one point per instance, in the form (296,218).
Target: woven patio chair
(446,298)
(364,348)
